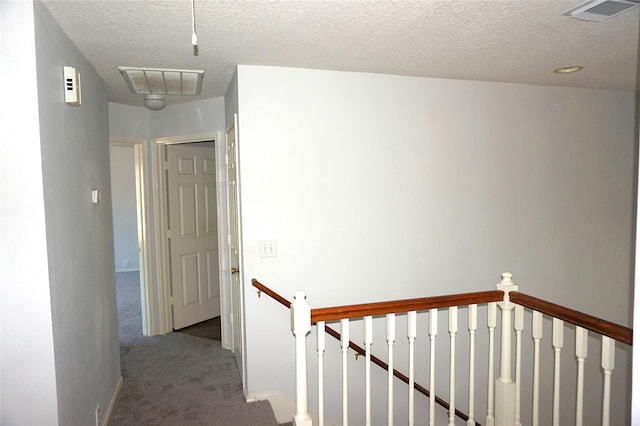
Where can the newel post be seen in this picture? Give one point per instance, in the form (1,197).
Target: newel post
(505,390)
(301,326)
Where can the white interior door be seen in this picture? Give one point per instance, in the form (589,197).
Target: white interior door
(234,245)
(194,260)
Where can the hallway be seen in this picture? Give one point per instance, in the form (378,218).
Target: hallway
(176,379)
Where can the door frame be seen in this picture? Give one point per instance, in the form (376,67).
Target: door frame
(232,128)
(140,153)
(163,278)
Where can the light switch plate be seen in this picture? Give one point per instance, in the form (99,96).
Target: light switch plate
(268,248)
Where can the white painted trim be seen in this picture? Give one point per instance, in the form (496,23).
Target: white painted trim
(200,137)
(233,127)
(162,298)
(139,146)
(283,407)
(128,270)
(223,242)
(112,403)
(165,322)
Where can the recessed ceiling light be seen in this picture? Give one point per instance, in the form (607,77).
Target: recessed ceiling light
(568,70)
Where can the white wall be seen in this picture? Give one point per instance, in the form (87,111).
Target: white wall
(123,196)
(382,187)
(27,371)
(75,161)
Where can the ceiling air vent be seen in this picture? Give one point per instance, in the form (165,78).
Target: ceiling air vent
(601,10)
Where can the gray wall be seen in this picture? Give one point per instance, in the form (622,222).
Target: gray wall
(63,304)
(75,153)
(188,118)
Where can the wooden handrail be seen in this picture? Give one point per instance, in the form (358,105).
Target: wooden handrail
(600,326)
(401,306)
(266,290)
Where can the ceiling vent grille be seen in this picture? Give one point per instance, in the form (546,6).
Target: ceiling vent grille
(160,81)
(601,10)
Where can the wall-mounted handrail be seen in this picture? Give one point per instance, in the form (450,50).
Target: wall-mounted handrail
(402,306)
(600,326)
(266,290)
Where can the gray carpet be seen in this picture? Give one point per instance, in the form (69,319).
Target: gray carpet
(177,379)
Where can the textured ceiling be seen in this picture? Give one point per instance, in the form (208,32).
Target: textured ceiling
(510,40)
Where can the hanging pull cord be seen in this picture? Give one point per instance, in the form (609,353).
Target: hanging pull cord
(194,37)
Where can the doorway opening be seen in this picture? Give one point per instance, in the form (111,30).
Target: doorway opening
(165,241)
(130,221)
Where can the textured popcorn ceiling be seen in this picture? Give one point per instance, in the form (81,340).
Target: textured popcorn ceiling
(510,40)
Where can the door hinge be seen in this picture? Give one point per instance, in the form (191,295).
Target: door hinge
(229,239)
(168,234)
(172,301)
(226,158)
(166,165)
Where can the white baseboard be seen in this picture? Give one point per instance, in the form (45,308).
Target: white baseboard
(283,407)
(112,404)
(128,270)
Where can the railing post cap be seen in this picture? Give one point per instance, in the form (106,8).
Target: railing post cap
(507,285)
(299,295)
(506,278)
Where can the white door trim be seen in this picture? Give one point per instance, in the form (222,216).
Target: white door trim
(142,212)
(159,207)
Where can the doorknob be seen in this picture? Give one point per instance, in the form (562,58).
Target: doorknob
(235,270)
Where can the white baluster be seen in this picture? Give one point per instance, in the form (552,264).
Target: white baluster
(608,364)
(581,355)
(368,339)
(519,327)
(411,335)
(491,324)
(558,329)
(391,338)
(536,331)
(473,326)
(300,327)
(453,329)
(321,348)
(505,386)
(344,344)
(433,332)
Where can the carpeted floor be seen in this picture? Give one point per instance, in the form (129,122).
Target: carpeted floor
(177,379)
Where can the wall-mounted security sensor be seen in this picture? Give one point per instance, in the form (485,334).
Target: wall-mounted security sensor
(95,196)
(72,93)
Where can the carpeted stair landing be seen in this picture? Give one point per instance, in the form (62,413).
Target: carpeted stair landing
(177,379)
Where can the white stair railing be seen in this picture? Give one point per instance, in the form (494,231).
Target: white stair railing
(505,390)
(561,318)
(504,398)
(433,333)
(300,327)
